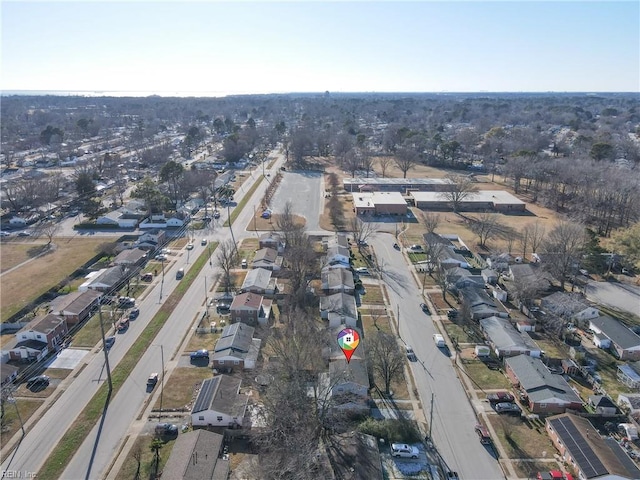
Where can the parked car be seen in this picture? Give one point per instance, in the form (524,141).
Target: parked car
(203,241)
(161,257)
(24,234)
(425,309)
(166,429)
(216,214)
(180,273)
(499,397)
(505,407)
(243,263)
(453,313)
(199,354)
(126,302)
(404,450)
(133,314)
(410,353)
(39,381)
(363,243)
(5,234)
(396,246)
(362,271)
(122,325)
(189,246)
(147,277)
(109,341)
(416,248)
(483,434)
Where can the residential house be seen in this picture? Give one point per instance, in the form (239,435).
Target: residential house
(354,456)
(545,392)
(17,222)
(332,350)
(447,258)
(337,280)
(629,375)
(526,274)
(219,403)
(631,403)
(151,239)
(458,277)
(432,238)
(571,307)
(489,276)
(197,455)
(41,336)
(259,281)
(481,304)
(624,343)
(272,240)
(117,218)
(588,453)
(236,348)
(105,279)
(338,309)
(603,405)
(505,340)
(339,240)
(347,386)
(76,307)
(268,259)
(250,308)
(134,257)
(338,254)
(160,221)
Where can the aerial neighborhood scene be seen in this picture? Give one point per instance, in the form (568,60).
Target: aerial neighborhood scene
(234,247)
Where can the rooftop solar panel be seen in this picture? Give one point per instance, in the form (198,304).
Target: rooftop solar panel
(580,450)
(203,401)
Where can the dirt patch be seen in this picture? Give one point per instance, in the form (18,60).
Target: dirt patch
(520,439)
(181,387)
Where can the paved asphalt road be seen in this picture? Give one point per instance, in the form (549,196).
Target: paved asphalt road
(453,416)
(617,295)
(102,444)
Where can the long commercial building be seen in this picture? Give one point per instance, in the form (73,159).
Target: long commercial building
(402,185)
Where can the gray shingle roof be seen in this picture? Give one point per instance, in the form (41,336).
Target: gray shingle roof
(194,456)
(341,303)
(221,394)
(616,331)
(505,337)
(257,278)
(539,383)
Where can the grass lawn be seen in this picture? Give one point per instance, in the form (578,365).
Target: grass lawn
(531,468)
(458,332)
(237,277)
(373,295)
(27,282)
(398,387)
(90,333)
(180,386)
(382,323)
(552,348)
(11,423)
(520,440)
(482,377)
(198,341)
(142,447)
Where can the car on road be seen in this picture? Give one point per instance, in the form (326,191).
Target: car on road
(109,341)
(5,234)
(403,450)
(122,325)
(506,407)
(410,353)
(24,234)
(243,263)
(362,271)
(499,397)
(199,354)
(438,339)
(396,246)
(126,302)
(189,246)
(161,257)
(133,314)
(203,241)
(425,309)
(216,214)
(39,381)
(152,380)
(166,429)
(180,273)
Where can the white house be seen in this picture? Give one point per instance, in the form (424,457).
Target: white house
(219,403)
(338,309)
(337,254)
(117,218)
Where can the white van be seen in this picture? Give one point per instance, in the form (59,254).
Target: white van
(439,340)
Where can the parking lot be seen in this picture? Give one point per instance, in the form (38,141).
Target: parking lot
(304,190)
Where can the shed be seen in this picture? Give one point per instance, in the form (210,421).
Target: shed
(482,351)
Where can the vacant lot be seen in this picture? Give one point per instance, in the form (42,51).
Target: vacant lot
(520,439)
(11,423)
(180,387)
(30,280)
(140,462)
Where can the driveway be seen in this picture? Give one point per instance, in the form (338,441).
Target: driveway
(617,295)
(304,190)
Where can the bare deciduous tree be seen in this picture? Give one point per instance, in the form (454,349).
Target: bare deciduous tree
(406,159)
(226,259)
(385,357)
(532,234)
(487,226)
(384,163)
(563,247)
(462,188)
(431,221)
(49,230)
(362,231)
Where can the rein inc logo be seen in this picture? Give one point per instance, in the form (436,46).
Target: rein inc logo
(17,474)
(348,341)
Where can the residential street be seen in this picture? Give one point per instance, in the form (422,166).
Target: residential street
(453,416)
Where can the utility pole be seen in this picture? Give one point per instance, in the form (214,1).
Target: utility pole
(161,380)
(162,281)
(398,317)
(105,349)
(431,417)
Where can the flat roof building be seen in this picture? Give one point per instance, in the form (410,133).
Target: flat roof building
(379,203)
(497,200)
(402,185)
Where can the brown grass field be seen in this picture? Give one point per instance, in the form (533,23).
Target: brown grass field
(142,446)
(11,423)
(179,388)
(29,280)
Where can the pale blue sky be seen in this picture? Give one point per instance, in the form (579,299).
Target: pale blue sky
(302,46)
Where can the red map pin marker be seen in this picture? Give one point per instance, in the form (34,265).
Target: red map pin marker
(348,340)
